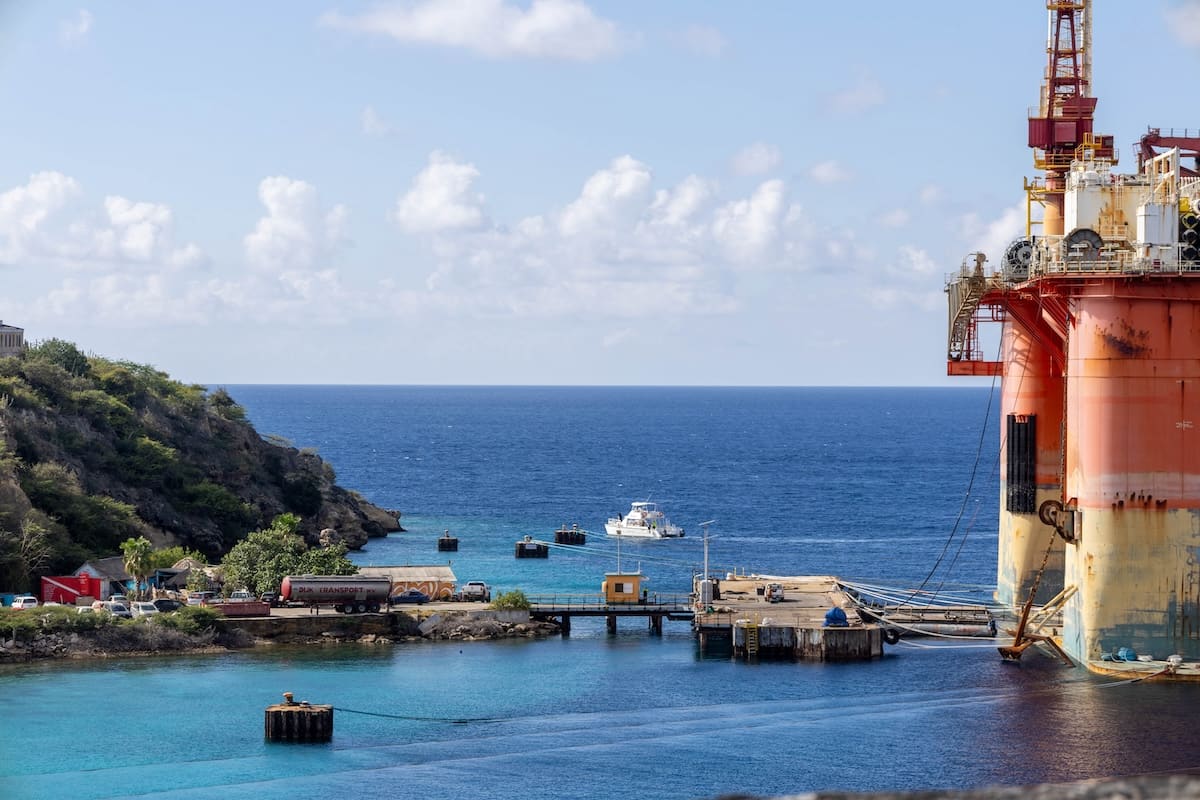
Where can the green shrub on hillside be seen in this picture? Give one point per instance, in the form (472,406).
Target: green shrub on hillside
(101,407)
(189,619)
(10,462)
(217,501)
(147,462)
(60,353)
(10,367)
(19,393)
(52,382)
(96,522)
(511,601)
(225,406)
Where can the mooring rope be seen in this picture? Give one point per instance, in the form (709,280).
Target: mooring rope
(451,720)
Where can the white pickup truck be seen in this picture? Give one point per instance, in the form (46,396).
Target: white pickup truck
(476,590)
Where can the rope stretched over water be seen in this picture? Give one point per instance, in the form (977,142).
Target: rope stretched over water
(451,720)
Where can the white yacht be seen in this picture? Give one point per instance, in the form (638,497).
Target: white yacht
(645,520)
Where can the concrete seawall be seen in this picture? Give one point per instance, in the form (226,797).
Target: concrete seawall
(441,624)
(393,624)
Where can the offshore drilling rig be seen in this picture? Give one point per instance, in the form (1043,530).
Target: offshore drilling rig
(1099,360)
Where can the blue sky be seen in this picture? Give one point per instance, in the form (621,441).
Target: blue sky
(555,192)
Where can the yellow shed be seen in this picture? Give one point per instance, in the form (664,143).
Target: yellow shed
(622,587)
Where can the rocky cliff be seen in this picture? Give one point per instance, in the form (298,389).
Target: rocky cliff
(94,451)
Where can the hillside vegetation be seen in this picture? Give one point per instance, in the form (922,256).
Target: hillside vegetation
(95,451)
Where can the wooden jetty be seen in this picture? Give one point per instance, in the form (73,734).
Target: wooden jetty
(784,617)
(655,608)
(290,721)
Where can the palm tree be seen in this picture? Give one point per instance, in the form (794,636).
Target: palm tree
(137,560)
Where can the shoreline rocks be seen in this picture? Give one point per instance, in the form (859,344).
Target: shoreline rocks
(231,635)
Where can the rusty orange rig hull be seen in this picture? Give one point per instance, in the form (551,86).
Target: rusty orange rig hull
(1031,405)
(1100,383)
(1133,468)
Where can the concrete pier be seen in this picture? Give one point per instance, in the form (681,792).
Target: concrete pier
(766,616)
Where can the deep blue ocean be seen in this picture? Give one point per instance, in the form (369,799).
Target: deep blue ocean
(888,486)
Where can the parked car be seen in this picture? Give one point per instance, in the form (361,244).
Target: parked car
(270,597)
(411,596)
(143,609)
(85,610)
(241,597)
(165,605)
(118,609)
(476,590)
(201,598)
(119,598)
(25,601)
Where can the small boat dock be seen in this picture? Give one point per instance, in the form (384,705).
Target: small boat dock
(802,618)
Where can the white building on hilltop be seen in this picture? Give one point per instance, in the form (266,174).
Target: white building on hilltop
(12,340)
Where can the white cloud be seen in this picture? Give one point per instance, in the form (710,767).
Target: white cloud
(441,198)
(1184,22)
(828,172)
(913,265)
(747,229)
(682,245)
(992,238)
(76,29)
(612,195)
(756,159)
(703,40)
(295,234)
(865,94)
(888,297)
(896,218)
(693,250)
(25,210)
(681,205)
(618,337)
(136,229)
(930,194)
(554,29)
(46,220)
(375,125)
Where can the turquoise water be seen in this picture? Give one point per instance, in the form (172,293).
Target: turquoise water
(863,483)
(590,717)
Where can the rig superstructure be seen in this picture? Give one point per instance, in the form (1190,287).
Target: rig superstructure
(1100,374)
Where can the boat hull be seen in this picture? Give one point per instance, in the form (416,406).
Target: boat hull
(640,532)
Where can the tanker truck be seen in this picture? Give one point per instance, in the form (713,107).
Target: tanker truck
(346,593)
